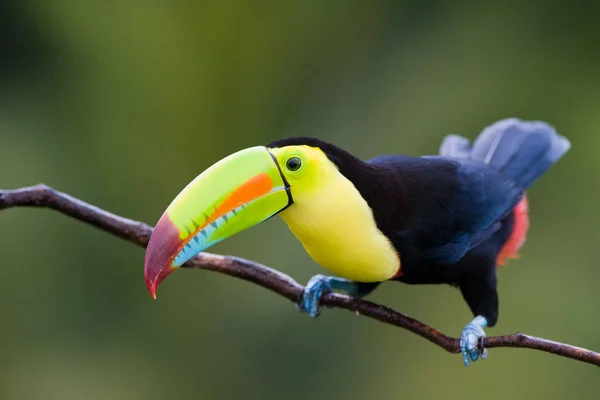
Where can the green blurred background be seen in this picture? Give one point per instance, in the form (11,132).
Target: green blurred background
(122,104)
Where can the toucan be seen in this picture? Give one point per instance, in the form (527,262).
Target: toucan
(450,218)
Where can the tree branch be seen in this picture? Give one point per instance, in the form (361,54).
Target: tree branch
(139,233)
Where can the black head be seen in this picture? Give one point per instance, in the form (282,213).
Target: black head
(345,161)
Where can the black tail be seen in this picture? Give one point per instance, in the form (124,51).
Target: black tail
(523,150)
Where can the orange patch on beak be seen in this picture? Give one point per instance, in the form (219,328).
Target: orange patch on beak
(252,189)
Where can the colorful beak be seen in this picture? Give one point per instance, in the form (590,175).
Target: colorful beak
(238,192)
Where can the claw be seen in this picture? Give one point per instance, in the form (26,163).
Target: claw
(318,286)
(470,341)
(311,297)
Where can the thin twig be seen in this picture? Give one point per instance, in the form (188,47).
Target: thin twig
(139,233)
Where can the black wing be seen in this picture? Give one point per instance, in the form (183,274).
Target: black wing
(442,206)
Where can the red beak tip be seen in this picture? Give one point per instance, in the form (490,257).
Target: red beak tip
(151,288)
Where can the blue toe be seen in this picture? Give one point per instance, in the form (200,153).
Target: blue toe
(469,341)
(313,302)
(474,355)
(315,289)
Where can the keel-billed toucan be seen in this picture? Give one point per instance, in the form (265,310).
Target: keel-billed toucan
(450,218)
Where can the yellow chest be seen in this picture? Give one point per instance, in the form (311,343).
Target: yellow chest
(336,227)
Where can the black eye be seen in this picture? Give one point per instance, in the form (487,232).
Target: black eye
(293,164)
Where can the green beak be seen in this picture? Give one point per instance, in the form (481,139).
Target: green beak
(238,192)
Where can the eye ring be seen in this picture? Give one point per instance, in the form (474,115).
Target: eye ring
(293,164)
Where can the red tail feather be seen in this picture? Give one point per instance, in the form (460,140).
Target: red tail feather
(510,250)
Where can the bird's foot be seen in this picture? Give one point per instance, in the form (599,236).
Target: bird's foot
(319,285)
(470,338)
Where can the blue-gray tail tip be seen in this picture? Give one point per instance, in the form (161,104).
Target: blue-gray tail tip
(523,150)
